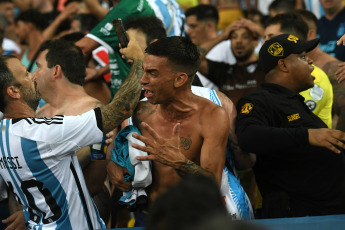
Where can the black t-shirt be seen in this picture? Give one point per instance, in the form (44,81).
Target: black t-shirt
(272,122)
(234,80)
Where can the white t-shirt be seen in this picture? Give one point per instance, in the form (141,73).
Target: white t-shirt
(220,53)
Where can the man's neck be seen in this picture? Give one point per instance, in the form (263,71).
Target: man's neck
(330,14)
(251,59)
(18,110)
(67,93)
(180,108)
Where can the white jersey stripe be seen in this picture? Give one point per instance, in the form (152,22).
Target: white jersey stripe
(40,171)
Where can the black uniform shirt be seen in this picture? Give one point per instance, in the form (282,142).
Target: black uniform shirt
(272,122)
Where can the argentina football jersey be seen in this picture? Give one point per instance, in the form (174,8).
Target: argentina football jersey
(38,162)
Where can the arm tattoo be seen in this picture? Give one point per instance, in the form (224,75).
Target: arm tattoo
(142,109)
(190,168)
(125,100)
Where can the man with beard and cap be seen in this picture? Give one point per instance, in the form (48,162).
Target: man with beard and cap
(243,76)
(298,159)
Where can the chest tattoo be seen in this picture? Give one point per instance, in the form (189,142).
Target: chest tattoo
(186,142)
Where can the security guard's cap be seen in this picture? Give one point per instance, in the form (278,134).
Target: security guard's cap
(280,47)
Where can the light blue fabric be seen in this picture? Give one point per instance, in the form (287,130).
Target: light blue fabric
(137,197)
(120,154)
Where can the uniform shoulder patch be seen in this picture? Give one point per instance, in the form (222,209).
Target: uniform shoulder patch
(246,108)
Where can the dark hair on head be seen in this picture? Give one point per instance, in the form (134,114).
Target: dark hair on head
(308,17)
(73,37)
(253,12)
(34,17)
(204,12)
(68,56)
(6,79)
(180,51)
(4,1)
(290,23)
(70,1)
(152,27)
(193,200)
(282,5)
(87,22)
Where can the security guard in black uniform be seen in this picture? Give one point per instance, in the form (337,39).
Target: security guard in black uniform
(300,163)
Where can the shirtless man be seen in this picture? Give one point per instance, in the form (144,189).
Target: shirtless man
(169,67)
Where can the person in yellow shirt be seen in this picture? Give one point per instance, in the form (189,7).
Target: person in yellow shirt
(319,99)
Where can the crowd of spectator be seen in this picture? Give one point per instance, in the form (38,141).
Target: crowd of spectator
(242,100)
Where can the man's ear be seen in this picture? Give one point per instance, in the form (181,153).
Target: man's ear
(56,72)
(180,80)
(282,65)
(312,34)
(13,92)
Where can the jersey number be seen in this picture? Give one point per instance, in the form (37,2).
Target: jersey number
(51,202)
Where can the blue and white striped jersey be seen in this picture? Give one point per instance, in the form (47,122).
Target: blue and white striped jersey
(38,162)
(171,14)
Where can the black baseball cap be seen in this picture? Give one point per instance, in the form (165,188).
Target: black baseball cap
(280,47)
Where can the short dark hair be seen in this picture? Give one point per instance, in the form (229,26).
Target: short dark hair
(73,37)
(152,27)
(3,1)
(34,17)
(290,23)
(282,5)
(180,51)
(6,79)
(68,56)
(308,17)
(87,21)
(191,201)
(204,12)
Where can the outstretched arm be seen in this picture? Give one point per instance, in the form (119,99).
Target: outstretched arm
(127,97)
(96,8)
(329,138)
(207,46)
